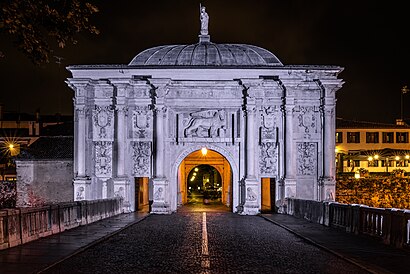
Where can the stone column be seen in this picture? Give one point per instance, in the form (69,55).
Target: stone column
(329,142)
(121,182)
(159,142)
(251,185)
(327,182)
(290,152)
(81,182)
(160,204)
(80,138)
(121,141)
(250,142)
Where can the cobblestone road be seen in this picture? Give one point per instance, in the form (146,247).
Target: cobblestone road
(212,242)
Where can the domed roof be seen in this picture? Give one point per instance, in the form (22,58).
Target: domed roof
(206,54)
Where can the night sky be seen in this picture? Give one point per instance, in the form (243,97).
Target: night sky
(367,38)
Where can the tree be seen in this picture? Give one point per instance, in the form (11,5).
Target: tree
(33,25)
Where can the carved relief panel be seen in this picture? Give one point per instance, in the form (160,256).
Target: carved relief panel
(141,122)
(103,158)
(307,119)
(141,159)
(268,159)
(204,123)
(103,123)
(306,158)
(269,121)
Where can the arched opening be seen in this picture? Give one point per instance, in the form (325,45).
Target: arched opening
(204,185)
(205,179)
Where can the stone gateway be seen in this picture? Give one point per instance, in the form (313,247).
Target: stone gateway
(142,126)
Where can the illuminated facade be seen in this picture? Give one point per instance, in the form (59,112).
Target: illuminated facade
(372,147)
(261,121)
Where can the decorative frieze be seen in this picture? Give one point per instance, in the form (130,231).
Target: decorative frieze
(141,159)
(103,158)
(306,158)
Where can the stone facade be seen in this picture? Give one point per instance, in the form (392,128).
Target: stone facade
(44,182)
(268,120)
(45,171)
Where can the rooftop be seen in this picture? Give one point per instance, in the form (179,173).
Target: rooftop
(206,54)
(49,148)
(343,123)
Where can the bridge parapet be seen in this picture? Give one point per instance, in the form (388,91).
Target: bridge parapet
(21,225)
(390,225)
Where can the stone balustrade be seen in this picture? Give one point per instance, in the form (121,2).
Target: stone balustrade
(390,225)
(21,225)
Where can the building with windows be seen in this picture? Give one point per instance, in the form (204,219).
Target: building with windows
(375,147)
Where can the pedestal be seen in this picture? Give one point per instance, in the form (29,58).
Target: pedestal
(251,191)
(290,188)
(122,189)
(327,189)
(82,188)
(160,204)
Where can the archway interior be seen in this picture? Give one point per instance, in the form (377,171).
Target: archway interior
(211,166)
(204,185)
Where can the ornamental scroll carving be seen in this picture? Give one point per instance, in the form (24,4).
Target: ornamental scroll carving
(268,158)
(141,159)
(269,122)
(103,158)
(307,120)
(306,158)
(141,120)
(206,123)
(103,122)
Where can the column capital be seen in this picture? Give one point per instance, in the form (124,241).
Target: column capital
(81,111)
(122,109)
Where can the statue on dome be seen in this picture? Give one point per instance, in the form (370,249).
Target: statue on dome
(204,20)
